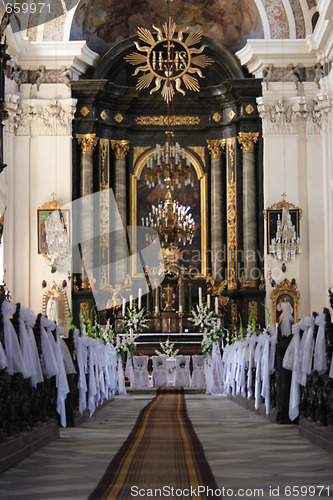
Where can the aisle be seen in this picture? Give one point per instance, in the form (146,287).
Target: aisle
(244,451)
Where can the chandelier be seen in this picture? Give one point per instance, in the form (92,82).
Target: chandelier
(169,166)
(173,222)
(58,247)
(286,245)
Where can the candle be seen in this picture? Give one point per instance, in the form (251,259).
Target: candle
(124,306)
(180,308)
(131,301)
(216,305)
(200,296)
(131,334)
(139,298)
(156,309)
(156,299)
(208,301)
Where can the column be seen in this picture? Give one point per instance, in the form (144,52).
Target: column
(121,251)
(215,148)
(88,143)
(247,142)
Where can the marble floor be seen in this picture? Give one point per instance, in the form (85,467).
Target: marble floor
(250,457)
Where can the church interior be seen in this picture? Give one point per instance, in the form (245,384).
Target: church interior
(166,249)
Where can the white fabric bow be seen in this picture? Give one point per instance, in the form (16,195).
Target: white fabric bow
(320,361)
(14,356)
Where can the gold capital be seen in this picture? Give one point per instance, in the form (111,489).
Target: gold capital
(121,149)
(247,141)
(87,141)
(215,147)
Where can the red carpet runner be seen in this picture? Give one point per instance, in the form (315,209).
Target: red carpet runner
(161,458)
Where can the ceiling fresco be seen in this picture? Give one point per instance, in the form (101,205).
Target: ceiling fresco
(104,23)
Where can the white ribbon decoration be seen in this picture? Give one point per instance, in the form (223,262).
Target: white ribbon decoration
(320,361)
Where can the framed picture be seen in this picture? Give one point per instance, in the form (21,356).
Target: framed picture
(285,299)
(272,218)
(42,215)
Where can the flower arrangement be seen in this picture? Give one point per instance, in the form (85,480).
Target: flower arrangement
(135,320)
(167,349)
(125,345)
(106,333)
(217,333)
(203,318)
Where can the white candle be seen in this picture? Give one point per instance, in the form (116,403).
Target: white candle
(180,308)
(200,296)
(131,333)
(124,306)
(156,309)
(139,298)
(208,301)
(131,301)
(216,305)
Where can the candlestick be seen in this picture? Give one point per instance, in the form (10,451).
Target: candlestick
(139,298)
(208,301)
(131,301)
(200,296)
(123,307)
(216,305)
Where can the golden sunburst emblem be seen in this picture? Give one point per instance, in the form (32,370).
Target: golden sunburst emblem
(169,59)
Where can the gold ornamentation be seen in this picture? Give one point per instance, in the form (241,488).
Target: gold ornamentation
(262,283)
(215,147)
(253,310)
(216,290)
(87,141)
(84,309)
(242,280)
(121,149)
(231,214)
(104,184)
(283,204)
(249,109)
(247,141)
(3,111)
(200,151)
(75,285)
(234,313)
(92,282)
(165,120)
(84,111)
(217,117)
(138,151)
(104,115)
(118,118)
(56,309)
(51,205)
(231,114)
(285,288)
(169,60)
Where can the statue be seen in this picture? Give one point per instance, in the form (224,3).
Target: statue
(216,290)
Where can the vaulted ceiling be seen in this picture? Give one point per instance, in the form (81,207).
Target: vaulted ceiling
(230,22)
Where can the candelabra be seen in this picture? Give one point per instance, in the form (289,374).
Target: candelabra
(169,166)
(173,222)
(285,246)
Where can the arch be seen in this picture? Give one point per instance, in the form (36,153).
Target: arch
(225,63)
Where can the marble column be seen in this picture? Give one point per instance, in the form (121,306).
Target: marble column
(121,250)
(247,142)
(217,203)
(88,143)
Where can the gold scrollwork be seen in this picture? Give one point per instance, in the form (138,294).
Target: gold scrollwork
(87,142)
(231,214)
(84,309)
(121,149)
(165,120)
(200,151)
(231,114)
(253,310)
(283,204)
(247,141)
(104,183)
(234,313)
(138,151)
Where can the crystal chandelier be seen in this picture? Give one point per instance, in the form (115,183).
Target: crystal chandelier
(173,222)
(285,246)
(169,166)
(58,247)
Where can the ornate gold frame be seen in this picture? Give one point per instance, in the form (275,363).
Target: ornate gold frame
(285,288)
(202,177)
(60,296)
